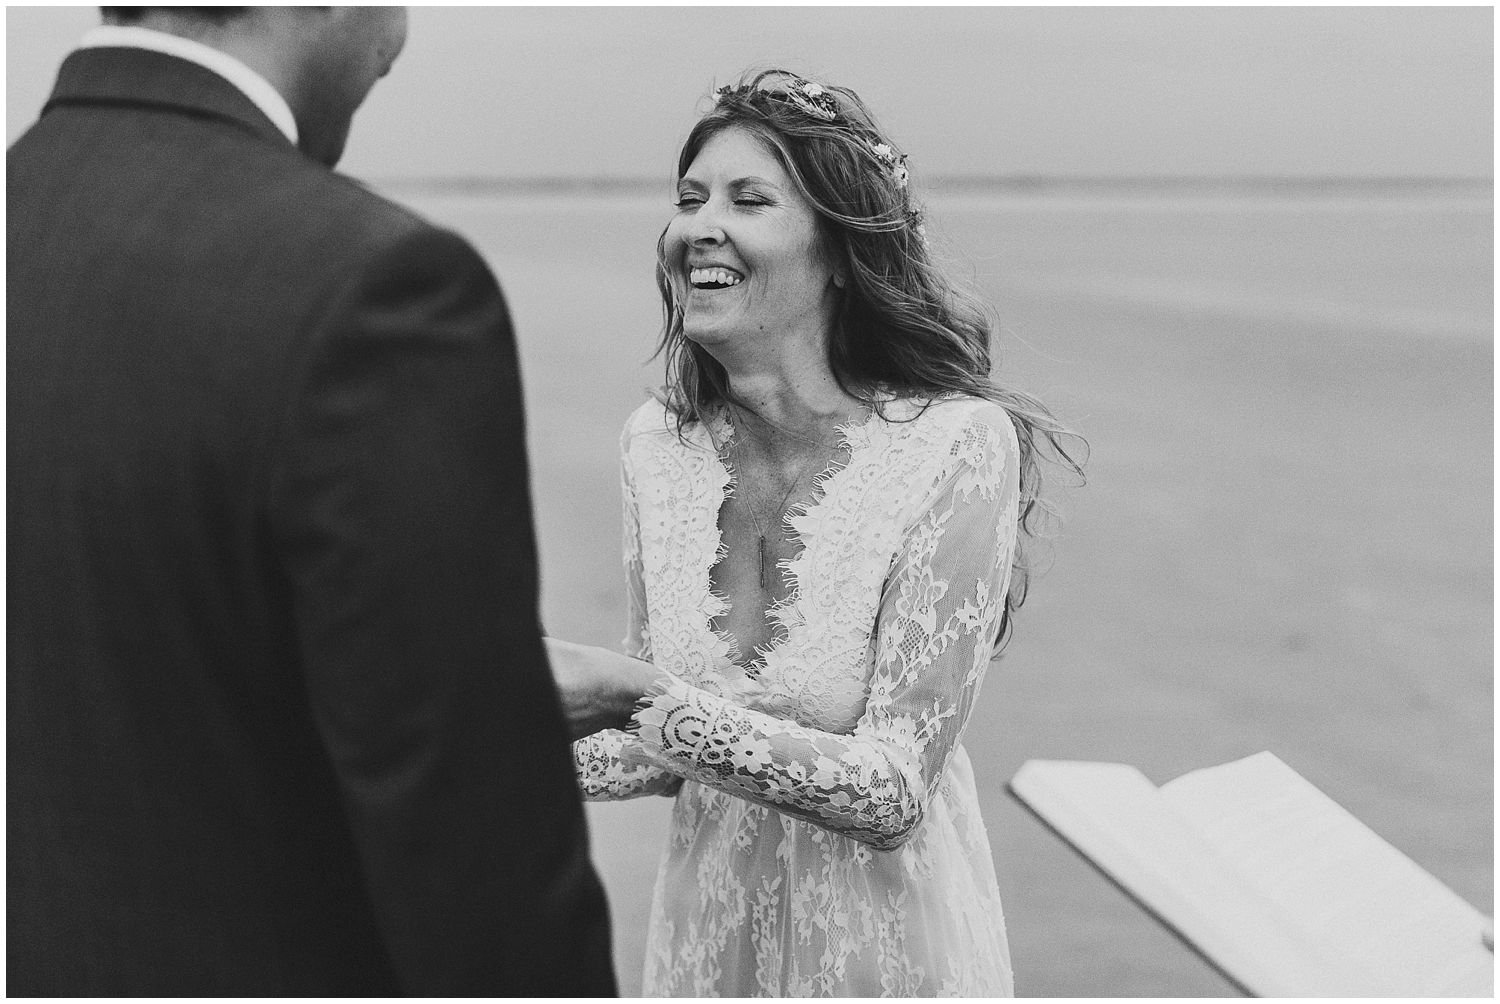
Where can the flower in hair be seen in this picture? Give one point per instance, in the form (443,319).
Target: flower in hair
(893,161)
(813,100)
(915,221)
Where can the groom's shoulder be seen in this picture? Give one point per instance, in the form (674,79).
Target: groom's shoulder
(327,225)
(343,215)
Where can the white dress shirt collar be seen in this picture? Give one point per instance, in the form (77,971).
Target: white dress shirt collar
(254,86)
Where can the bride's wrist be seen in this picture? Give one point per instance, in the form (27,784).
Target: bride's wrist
(635,681)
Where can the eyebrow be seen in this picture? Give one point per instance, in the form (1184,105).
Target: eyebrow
(736,183)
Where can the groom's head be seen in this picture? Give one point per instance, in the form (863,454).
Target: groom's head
(323,60)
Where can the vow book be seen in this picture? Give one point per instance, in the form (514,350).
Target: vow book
(1278,886)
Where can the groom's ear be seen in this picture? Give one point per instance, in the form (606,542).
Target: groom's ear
(376,36)
(340,53)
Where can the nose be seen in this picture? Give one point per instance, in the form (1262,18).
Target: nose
(705,226)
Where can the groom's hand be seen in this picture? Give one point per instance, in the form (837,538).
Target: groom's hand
(599,688)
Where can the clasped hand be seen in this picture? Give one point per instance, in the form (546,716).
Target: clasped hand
(599,688)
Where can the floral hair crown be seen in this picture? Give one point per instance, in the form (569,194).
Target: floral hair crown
(813,100)
(808,97)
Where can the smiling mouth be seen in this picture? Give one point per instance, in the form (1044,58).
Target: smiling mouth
(714,278)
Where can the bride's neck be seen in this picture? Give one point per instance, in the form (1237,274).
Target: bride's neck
(804,406)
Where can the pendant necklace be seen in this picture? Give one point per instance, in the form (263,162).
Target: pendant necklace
(760,529)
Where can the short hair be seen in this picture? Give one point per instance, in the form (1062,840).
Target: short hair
(212,15)
(903,326)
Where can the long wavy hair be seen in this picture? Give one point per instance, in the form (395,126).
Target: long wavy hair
(902,328)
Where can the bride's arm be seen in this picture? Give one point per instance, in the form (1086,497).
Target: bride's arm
(599,709)
(600,690)
(937,625)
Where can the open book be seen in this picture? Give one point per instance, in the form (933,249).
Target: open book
(1274,883)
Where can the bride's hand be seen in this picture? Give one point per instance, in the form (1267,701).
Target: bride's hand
(599,688)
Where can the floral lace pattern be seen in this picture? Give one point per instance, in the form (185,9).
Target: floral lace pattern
(826,839)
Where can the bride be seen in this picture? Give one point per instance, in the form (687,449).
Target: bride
(822,520)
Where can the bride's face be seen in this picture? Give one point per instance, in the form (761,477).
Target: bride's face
(744,252)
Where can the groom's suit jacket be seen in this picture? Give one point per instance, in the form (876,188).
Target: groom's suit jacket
(280,720)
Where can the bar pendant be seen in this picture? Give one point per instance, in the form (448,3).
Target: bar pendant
(762,561)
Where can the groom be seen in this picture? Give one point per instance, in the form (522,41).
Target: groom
(279,717)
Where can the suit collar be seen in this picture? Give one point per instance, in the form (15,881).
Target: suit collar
(254,86)
(143,78)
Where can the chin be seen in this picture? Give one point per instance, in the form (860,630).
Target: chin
(703,332)
(719,344)
(706,337)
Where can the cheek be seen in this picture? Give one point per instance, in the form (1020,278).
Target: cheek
(803,249)
(810,265)
(396,30)
(673,242)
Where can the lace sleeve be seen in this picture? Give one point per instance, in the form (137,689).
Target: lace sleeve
(938,621)
(607,763)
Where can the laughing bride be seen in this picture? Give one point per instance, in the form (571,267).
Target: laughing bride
(823,518)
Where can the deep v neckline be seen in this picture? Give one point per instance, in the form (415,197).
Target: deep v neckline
(853,438)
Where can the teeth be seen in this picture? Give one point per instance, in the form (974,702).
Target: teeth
(714,277)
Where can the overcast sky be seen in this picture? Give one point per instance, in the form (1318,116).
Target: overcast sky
(1054,91)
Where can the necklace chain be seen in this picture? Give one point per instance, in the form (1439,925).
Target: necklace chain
(781,506)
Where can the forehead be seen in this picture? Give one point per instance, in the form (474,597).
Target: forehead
(735,153)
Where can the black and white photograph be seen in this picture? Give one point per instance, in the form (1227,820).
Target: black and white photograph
(716,501)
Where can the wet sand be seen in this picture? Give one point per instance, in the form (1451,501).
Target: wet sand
(1285,543)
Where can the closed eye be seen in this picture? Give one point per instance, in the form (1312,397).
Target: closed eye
(688,200)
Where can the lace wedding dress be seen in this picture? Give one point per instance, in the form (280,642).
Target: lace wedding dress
(826,838)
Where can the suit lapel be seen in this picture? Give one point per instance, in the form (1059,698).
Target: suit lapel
(127,77)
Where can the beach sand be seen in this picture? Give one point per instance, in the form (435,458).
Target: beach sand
(1285,542)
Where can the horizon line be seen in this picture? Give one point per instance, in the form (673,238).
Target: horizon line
(1020,183)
